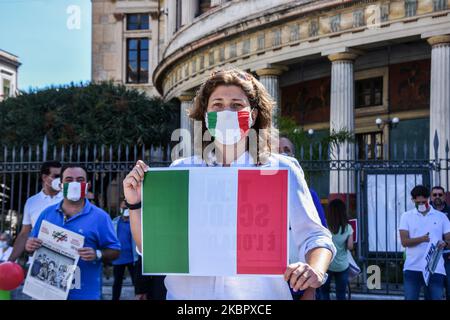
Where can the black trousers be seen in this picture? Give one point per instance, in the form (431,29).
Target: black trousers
(119,271)
(152,286)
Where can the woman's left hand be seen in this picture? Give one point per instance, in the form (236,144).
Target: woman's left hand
(302,276)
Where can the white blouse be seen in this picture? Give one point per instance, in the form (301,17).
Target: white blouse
(307,233)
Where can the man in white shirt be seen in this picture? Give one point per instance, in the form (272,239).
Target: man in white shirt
(417,228)
(49,195)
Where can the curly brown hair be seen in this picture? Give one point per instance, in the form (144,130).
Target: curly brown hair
(258,97)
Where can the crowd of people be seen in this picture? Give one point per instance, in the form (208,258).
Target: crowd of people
(321,241)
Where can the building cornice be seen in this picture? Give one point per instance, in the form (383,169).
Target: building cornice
(9,58)
(238,43)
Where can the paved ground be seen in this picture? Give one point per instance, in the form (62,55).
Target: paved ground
(127,289)
(128,293)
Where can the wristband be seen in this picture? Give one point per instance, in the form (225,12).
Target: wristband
(133,206)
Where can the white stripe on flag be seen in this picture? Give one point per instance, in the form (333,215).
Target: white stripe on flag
(73,191)
(213,222)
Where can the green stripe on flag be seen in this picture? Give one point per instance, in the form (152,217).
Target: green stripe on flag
(65,189)
(165,222)
(212,121)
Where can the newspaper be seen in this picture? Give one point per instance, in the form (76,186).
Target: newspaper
(54,264)
(432,256)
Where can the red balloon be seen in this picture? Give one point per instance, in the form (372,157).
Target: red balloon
(11,276)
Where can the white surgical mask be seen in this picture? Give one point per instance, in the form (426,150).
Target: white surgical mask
(56,184)
(75,191)
(228,127)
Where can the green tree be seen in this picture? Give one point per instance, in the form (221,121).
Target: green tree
(289,128)
(102,113)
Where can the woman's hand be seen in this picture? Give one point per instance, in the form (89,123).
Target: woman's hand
(132,183)
(302,276)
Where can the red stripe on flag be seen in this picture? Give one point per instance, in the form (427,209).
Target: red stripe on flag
(83,189)
(262,222)
(243,117)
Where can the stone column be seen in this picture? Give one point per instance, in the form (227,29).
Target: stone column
(186,99)
(171,19)
(188,11)
(342,181)
(270,79)
(440,103)
(185,148)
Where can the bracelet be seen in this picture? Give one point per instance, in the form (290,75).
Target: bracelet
(133,206)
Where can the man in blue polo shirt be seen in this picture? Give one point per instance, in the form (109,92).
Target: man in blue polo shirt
(77,214)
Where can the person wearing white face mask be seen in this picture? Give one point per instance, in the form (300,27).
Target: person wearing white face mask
(5,247)
(128,254)
(417,228)
(49,195)
(230,105)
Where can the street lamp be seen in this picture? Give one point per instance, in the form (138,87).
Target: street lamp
(392,123)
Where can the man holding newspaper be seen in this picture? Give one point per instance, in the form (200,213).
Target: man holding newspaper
(71,233)
(421,232)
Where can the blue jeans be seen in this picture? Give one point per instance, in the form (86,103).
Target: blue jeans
(341,279)
(413,283)
(447,271)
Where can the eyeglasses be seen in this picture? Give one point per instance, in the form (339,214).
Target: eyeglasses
(438,194)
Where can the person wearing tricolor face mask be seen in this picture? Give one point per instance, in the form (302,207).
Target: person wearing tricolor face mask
(232,105)
(77,214)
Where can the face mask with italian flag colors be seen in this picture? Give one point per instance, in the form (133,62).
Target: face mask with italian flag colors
(228,127)
(75,191)
(422,207)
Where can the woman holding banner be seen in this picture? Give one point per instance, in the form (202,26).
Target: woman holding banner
(236,110)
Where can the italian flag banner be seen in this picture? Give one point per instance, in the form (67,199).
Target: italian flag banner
(215,221)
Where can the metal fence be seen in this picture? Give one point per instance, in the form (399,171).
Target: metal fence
(381,195)
(381,191)
(106,166)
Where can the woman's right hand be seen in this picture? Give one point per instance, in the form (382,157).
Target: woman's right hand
(132,183)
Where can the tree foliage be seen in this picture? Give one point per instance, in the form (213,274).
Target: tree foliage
(103,113)
(289,128)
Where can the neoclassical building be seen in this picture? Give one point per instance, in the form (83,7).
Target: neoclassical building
(9,65)
(331,65)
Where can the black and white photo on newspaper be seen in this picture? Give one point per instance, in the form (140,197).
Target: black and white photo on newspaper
(54,265)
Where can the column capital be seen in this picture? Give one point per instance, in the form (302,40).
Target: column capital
(272,70)
(186,96)
(442,39)
(343,56)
